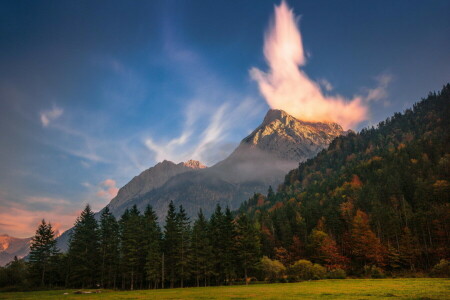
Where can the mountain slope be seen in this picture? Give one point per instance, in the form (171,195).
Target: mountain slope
(394,177)
(261,159)
(150,179)
(11,246)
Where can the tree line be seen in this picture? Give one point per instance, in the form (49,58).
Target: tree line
(375,202)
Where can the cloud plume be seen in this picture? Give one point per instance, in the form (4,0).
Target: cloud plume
(50,115)
(286,86)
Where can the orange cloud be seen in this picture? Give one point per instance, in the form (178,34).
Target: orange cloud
(285,86)
(19,220)
(108,189)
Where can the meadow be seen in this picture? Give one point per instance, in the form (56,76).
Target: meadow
(405,288)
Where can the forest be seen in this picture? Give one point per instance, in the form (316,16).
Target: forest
(374,204)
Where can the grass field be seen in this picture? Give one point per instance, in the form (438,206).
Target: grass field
(423,288)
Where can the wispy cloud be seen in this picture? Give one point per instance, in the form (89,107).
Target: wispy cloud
(198,140)
(50,115)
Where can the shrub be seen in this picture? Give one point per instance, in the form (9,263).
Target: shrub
(336,274)
(442,269)
(272,269)
(306,270)
(318,272)
(300,270)
(373,272)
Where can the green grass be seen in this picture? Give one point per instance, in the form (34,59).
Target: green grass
(410,288)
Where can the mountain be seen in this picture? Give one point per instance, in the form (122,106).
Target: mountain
(11,246)
(379,197)
(261,160)
(150,179)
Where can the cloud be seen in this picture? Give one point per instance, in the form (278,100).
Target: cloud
(380,92)
(286,86)
(48,116)
(21,218)
(108,189)
(326,85)
(199,139)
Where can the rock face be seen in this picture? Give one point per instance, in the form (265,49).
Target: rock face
(11,246)
(263,158)
(150,179)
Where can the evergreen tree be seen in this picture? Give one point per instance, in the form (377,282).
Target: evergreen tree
(184,254)
(131,234)
(109,248)
(84,251)
(153,239)
(42,252)
(172,245)
(201,250)
(248,244)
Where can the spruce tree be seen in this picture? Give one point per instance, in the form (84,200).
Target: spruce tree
(247,244)
(84,251)
(184,254)
(131,230)
(172,245)
(153,239)
(42,251)
(109,248)
(201,250)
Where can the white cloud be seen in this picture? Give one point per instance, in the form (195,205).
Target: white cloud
(48,116)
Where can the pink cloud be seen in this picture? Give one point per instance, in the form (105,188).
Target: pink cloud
(108,189)
(21,220)
(286,86)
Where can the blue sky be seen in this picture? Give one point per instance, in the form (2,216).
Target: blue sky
(94,92)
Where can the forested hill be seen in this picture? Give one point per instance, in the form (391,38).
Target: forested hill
(380,196)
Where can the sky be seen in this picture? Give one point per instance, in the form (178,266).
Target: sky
(92,92)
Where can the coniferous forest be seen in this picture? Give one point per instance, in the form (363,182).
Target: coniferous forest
(374,204)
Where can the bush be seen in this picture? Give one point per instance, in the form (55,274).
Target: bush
(336,274)
(272,269)
(442,269)
(318,272)
(373,272)
(306,270)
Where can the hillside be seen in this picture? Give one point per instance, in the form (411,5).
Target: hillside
(380,196)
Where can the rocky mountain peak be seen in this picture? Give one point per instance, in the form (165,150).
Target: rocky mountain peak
(289,138)
(194,164)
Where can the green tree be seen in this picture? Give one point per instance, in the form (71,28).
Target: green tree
(42,251)
(247,244)
(172,245)
(202,265)
(131,241)
(109,248)
(153,239)
(84,251)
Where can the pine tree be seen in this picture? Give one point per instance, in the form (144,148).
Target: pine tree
(228,234)
(109,248)
(201,250)
(217,243)
(42,251)
(172,245)
(131,231)
(247,244)
(84,250)
(184,254)
(153,239)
